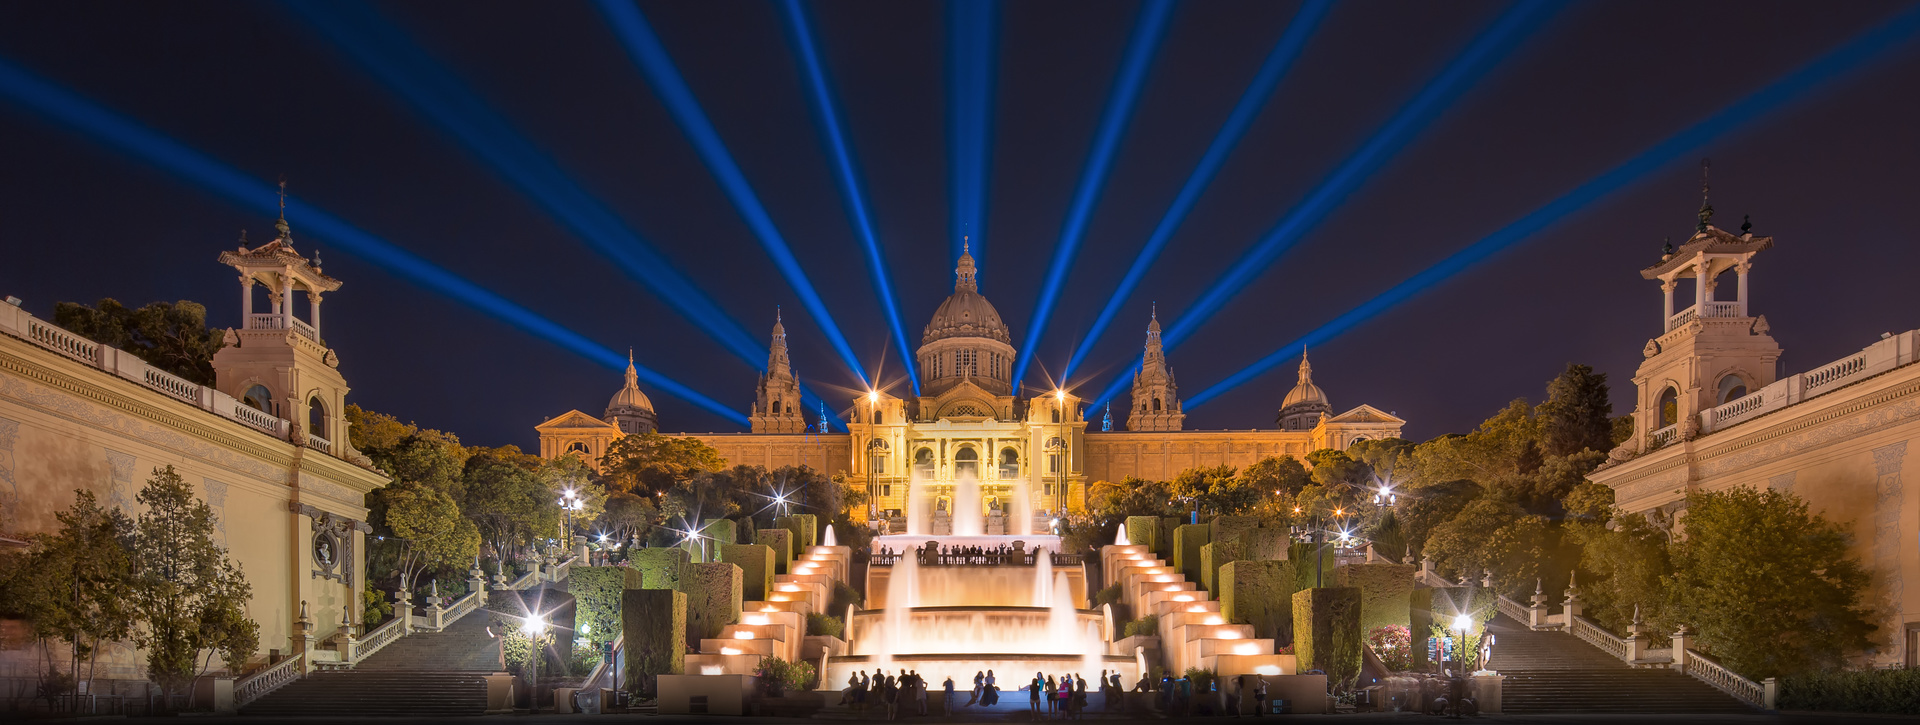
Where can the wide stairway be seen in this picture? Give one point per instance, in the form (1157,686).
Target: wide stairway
(426,673)
(1552,671)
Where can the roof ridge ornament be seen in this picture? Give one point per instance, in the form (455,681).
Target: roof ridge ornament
(286,232)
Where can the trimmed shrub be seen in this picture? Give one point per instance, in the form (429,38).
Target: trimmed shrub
(1187,540)
(844,594)
(805,528)
(779,676)
(596,592)
(662,568)
(1301,555)
(781,541)
(1326,633)
(1231,528)
(1148,626)
(1890,691)
(1215,555)
(1259,593)
(823,624)
(756,568)
(1109,595)
(1384,589)
(1267,544)
(713,599)
(655,624)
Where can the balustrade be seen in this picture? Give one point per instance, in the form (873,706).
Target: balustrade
(258,684)
(380,637)
(1513,609)
(1834,374)
(1594,635)
(966,556)
(1727,681)
(1721,309)
(303,328)
(266,321)
(1663,436)
(170,384)
(63,342)
(319,444)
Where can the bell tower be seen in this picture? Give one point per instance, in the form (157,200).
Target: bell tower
(277,361)
(776,406)
(1712,352)
(1156,401)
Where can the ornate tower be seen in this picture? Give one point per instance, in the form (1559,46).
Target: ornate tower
(630,409)
(277,362)
(1305,404)
(966,341)
(1709,354)
(1156,404)
(777,408)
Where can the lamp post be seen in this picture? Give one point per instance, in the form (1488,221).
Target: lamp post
(569,503)
(533,626)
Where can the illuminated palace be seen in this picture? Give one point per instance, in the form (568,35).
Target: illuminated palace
(1032,453)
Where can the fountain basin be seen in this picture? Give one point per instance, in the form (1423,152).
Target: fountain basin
(974,629)
(981,586)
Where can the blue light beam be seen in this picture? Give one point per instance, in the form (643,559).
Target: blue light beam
(1147,32)
(438,94)
(1855,54)
(849,185)
(651,57)
(1284,52)
(1470,66)
(970,76)
(71,111)
(435,92)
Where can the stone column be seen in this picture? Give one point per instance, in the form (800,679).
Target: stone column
(1699,285)
(1537,614)
(1682,641)
(314,297)
(285,308)
(1741,271)
(1666,290)
(246,301)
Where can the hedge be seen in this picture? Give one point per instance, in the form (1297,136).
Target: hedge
(1267,544)
(713,599)
(596,593)
(1216,554)
(1259,593)
(662,568)
(805,528)
(1301,555)
(1889,691)
(1230,528)
(1187,540)
(655,624)
(1327,634)
(1145,531)
(1384,590)
(756,569)
(781,541)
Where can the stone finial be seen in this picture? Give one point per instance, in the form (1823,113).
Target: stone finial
(1636,614)
(1536,586)
(303,611)
(1746,224)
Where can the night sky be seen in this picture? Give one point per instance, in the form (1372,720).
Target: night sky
(1831,176)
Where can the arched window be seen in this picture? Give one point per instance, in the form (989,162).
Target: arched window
(1156,405)
(317,418)
(966,462)
(577,447)
(1669,407)
(1009,463)
(879,416)
(776,407)
(923,463)
(258,399)
(1732,388)
(1056,415)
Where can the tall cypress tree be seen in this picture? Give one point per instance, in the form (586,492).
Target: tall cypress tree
(1577,412)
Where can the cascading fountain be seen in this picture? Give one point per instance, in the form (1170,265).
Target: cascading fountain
(968,519)
(1119,539)
(828,540)
(955,618)
(918,515)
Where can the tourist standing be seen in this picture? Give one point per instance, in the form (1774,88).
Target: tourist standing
(1033,695)
(920,691)
(946,703)
(1080,696)
(890,694)
(991,695)
(1116,695)
(1053,696)
(1260,697)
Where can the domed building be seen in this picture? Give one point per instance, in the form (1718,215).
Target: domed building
(629,412)
(965,455)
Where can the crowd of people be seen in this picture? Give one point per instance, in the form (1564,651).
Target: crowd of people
(1064,697)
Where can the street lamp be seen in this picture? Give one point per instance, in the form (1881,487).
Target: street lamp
(569,503)
(533,626)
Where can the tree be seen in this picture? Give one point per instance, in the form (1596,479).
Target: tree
(1389,540)
(1388,460)
(1496,536)
(1140,497)
(1497,448)
(172,336)
(187,595)
(1623,567)
(651,463)
(421,530)
(1770,588)
(72,584)
(506,500)
(409,452)
(1424,507)
(1213,490)
(1577,414)
(627,515)
(1277,473)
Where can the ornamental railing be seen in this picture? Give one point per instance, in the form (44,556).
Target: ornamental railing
(1512,609)
(275,676)
(977,558)
(380,637)
(1594,635)
(1892,351)
(319,444)
(1727,681)
(303,328)
(120,363)
(1663,436)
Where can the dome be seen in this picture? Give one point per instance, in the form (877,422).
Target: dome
(630,399)
(966,313)
(1306,393)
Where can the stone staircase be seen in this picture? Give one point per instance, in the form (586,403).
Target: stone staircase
(1553,671)
(437,673)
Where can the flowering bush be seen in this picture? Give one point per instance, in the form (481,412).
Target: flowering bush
(1393,644)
